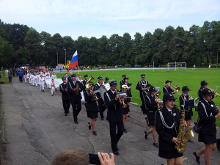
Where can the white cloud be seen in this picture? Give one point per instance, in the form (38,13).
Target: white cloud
(103,14)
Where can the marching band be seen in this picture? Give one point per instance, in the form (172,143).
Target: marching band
(163,118)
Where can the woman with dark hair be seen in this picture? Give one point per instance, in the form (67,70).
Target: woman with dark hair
(91,106)
(167,126)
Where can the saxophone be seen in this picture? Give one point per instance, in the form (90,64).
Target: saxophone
(184,134)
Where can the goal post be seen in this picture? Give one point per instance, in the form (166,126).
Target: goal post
(176,65)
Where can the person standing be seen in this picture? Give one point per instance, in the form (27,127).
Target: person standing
(167,126)
(167,88)
(152,107)
(91,106)
(208,113)
(114,116)
(41,82)
(10,74)
(65,96)
(141,87)
(20,75)
(74,89)
(52,86)
(188,110)
(106,84)
(101,104)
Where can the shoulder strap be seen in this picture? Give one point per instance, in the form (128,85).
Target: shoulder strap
(163,121)
(203,105)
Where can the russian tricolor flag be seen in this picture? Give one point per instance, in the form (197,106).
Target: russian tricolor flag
(74,60)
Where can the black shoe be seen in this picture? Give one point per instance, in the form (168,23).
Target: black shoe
(89,126)
(75,121)
(116,153)
(125,131)
(145,135)
(66,114)
(94,133)
(156,145)
(197,157)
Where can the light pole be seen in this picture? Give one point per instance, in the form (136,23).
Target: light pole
(65,56)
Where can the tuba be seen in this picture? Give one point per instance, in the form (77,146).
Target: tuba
(184,134)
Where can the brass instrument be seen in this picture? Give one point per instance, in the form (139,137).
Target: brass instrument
(87,82)
(120,96)
(184,134)
(175,88)
(214,91)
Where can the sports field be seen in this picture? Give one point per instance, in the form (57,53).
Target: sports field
(189,77)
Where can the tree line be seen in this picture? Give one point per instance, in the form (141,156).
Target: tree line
(20,44)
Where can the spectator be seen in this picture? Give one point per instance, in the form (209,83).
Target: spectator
(80,157)
(20,75)
(10,74)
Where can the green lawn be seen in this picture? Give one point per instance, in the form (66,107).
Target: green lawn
(189,77)
(4,79)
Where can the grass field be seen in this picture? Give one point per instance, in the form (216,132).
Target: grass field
(4,79)
(189,77)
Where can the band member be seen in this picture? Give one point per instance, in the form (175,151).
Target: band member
(74,89)
(167,126)
(208,113)
(101,103)
(126,102)
(114,116)
(167,88)
(204,84)
(84,81)
(106,84)
(41,82)
(145,93)
(65,96)
(141,86)
(188,110)
(151,104)
(122,82)
(52,86)
(91,106)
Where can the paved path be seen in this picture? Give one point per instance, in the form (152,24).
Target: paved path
(36,130)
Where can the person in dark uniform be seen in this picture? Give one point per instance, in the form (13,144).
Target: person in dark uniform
(141,86)
(91,106)
(114,116)
(101,103)
(74,89)
(126,104)
(152,107)
(188,110)
(143,105)
(167,88)
(85,81)
(208,113)
(122,82)
(69,79)
(204,84)
(65,96)
(167,126)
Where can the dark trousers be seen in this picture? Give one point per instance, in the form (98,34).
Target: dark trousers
(101,109)
(20,78)
(116,131)
(76,104)
(66,105)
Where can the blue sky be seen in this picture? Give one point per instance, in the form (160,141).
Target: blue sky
(101,17)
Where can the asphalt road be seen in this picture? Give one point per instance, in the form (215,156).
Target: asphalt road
(36,130)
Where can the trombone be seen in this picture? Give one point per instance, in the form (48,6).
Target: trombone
(175,88)
(214,91)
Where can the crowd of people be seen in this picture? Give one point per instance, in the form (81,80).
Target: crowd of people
(163,118)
